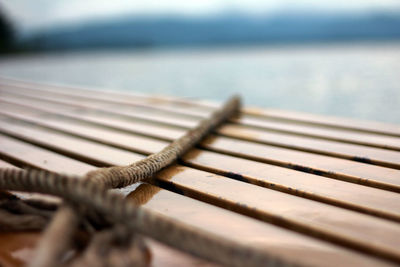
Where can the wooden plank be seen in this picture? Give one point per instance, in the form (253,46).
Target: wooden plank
(313,218)
(19,151)
(163,119)
(280,115)
(16,249)
(95,133)
(370,155)
(327,121)
(175,176)
(331,148)
(60,87)
(336,149)
(162,255)
(349,242)
(289,245)
(317,131)
(84,97)
(196,107)
(83,150)
(354,152)
(339,193)
(374,140)
(48,104)
(375,176)
(293,212)
(302,249)
(4,164)
(363,138)
(351,196)
(39,158)
(109,105)
(355,172)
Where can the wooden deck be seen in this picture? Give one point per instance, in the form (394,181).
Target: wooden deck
(316,190)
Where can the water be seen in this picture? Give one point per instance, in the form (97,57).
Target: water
(359,81)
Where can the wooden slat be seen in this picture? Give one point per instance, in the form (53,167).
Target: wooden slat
(50,105)
(144,103)
(356,197)
(348,195)
(278,241)
(341,192)
(375,140)
(327,121)
(299,248)
(19,152)
(163,119)
(286,210)
(36,157)
(375,176)
(263,204)
(343,135)
(16,249)
(383,157)
(196,107)
(303,215)
(344,150)
(370,175)
(315,131)
(326,147)
(83,150)
(364,154)
(4,164)
(98,134)
(162,255)
(280,115)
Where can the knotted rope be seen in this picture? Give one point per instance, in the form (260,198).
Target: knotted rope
(91,193)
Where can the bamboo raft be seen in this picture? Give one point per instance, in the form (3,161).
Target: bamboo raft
(314,190)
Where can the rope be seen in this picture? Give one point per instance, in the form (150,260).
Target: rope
(56,238)
(90,192)
(121,176)
(81,192)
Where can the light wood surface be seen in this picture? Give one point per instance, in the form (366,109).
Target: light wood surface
(307,188)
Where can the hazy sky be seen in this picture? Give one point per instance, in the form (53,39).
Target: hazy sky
(30,14)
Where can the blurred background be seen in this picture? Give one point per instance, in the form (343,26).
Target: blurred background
(329,57)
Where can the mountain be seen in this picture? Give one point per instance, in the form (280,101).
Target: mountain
(128,32)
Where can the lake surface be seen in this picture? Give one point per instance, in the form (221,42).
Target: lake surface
(359,80)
